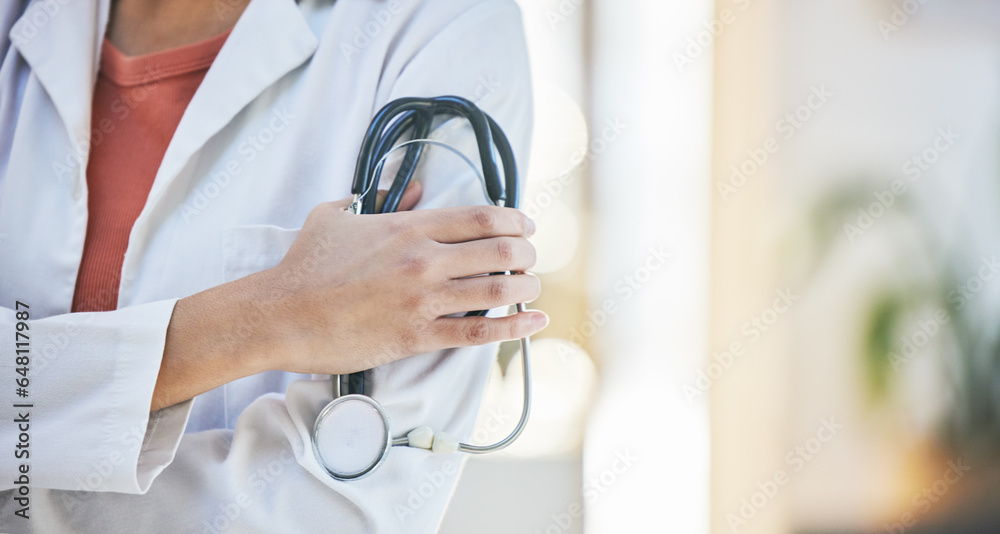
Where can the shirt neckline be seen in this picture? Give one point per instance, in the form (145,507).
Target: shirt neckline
(125,70)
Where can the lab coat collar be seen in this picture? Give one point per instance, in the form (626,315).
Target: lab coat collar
(270,39)
(61,42)
(56,40)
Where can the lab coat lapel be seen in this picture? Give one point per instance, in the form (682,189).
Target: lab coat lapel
(270,39)
(59,42)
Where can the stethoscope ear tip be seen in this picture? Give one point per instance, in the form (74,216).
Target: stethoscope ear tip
(421,437)
(439,443)
(444,444)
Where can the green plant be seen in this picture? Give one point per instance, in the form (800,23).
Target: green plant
(929,268)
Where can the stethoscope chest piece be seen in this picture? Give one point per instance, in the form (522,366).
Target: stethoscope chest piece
(351,437)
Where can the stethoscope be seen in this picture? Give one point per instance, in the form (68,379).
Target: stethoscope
(352,435)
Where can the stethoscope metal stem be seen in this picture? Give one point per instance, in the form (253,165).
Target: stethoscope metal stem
(525,407)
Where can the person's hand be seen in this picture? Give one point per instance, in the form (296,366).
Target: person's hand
(358,291)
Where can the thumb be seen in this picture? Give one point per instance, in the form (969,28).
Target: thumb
(411,196)
(345,203)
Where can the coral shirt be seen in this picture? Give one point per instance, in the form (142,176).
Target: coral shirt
(138,103)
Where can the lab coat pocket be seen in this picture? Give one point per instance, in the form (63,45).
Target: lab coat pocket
(254,248)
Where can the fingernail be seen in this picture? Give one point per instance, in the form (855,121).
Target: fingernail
(531,227)
(539,321)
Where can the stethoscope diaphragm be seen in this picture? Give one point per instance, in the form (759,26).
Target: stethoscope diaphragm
(351,437)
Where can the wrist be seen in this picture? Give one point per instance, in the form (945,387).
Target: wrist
(214,337)
(261,324)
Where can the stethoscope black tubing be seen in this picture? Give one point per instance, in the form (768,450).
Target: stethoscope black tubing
(420,123)
(417,115)
(482,125)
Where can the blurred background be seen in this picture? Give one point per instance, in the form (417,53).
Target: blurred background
(768,240)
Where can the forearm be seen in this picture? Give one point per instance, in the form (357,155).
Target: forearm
(323,311)
(214,337)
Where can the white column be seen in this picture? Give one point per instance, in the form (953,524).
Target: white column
(651,194)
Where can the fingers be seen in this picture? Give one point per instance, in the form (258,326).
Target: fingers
(411,196)
(409,199)
(486,292)
(484,256)
(458,225)
(466,331)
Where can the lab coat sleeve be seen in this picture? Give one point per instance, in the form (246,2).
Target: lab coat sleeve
(82,391)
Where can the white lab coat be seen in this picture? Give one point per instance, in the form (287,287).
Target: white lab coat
(273,130)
